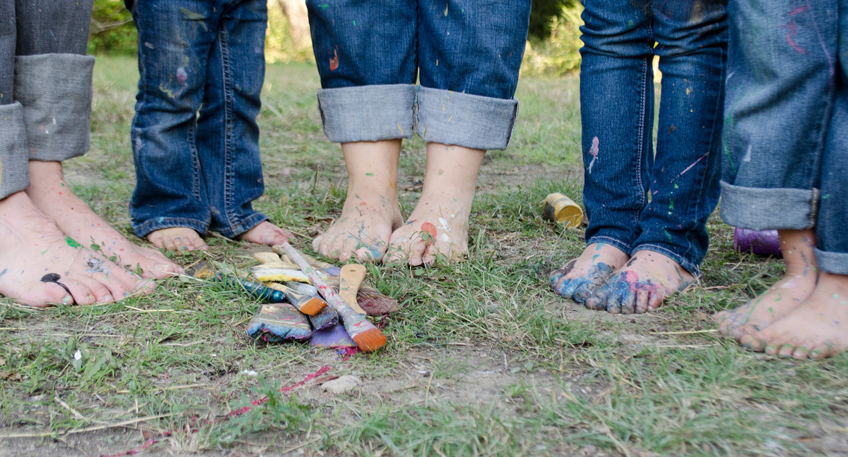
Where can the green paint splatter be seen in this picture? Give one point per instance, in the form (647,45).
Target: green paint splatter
(72,243)
(45,251)
(369,174)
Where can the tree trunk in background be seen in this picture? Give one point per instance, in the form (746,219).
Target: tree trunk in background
(298,17)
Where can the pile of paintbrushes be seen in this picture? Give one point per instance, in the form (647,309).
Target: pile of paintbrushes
(311,300)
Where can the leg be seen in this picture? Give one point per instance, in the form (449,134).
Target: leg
(819,327)
(366,103)
(616,99)
(42,265)
(227,133)
(58,117)
(692,45)
(175,41)
(465,107)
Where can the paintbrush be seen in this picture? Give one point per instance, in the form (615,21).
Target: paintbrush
(326,318)
(369,299)
(349,281)
(279,321)
(366,336)
(306,304)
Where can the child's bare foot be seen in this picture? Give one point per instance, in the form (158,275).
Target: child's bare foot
(40,265)
(177,239)
(641,285)
(783,297)
(579,279)
(816,329)
(266,233)
(49,192)
(371,211)
(438,226)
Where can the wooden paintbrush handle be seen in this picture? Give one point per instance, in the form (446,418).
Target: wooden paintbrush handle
(350,280)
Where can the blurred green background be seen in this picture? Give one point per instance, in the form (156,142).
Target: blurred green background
(552,47)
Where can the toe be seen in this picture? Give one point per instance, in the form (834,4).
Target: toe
(316,243)
(654,302)
(79,290)
(598,300)
(801,352)
(821,351)
(786,350)
(754,343)
(583,292)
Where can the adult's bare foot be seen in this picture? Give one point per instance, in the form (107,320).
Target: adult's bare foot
(371,211)
(182,239)
(40,265)
(641,284)
(816,329)
(266,233)
(438,226)
(49,193)
(783,297)
(579,279)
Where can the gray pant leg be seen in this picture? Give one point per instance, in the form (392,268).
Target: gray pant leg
(53,76)
(13,159)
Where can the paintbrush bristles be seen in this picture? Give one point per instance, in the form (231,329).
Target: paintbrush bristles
(370,340)
(366,336)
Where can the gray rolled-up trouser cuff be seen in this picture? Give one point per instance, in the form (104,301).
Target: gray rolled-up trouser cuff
(470,121)
(758,208)
(832,262)
(367,113)
(55,91)
(14,174)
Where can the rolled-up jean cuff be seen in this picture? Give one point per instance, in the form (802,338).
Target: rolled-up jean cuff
(145,228)
(55,91)
(470,121)
(14,163)
(367,113)
(832,262)
(758,208)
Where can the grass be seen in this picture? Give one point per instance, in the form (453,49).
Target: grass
(483,359)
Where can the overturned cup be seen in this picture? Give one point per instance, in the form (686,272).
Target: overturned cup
(561,209)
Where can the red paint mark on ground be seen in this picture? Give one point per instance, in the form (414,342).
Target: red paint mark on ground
(334,62)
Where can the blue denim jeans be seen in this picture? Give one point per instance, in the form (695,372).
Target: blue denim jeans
(634,199)
(786,130)
(194,136)
(466,54)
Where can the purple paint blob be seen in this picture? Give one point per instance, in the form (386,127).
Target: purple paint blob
(760,243)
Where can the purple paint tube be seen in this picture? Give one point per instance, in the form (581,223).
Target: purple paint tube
(761,243)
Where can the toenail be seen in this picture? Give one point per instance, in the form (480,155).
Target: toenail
(67,300)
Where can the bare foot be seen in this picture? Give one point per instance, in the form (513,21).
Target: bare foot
(371,211)
(816,329)
(266,233)
(641,285)
(783,297)
(579,279)
(438,226)
(49,192)
(43,266)
(177,239)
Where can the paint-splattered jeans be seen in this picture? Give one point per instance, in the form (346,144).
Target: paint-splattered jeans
(634,200)
(466,53)
(45,85)
(195,138)
(786,130)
